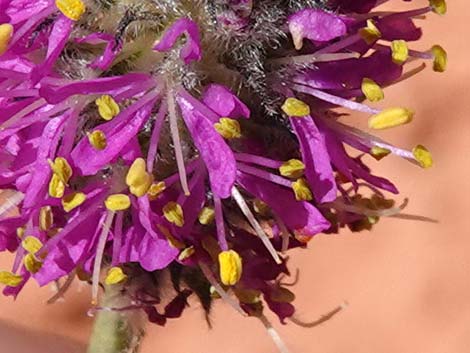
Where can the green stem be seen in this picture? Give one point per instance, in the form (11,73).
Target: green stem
(116,331)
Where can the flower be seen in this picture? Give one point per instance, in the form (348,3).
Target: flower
(150,141)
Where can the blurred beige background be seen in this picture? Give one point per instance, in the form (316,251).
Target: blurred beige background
(407,283)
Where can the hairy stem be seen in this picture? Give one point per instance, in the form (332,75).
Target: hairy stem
(116,331)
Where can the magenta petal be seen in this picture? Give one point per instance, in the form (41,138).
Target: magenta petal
(191,50)
(316,25)
(217,155)
(316,159)
(107,85)
(89,161)
(221,100)
(299,216)
(111,50)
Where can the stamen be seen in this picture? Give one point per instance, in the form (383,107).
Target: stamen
(99,255)
(56,187)
(390,117)
(440,58)
(173,213)
(31,244)
(73,9)
(97,139)
(72,201)
(115,275)
(206,215)
(321,320)
(46,218)
(117,202)
(6,32)
(379,152)
(10,279)
(61,168)
(372,90)
(228,128)
(294,107)
(285,235)
(22,113)
(293,168)
(370,33)
(31,263)
(223,294)
(117,238)
(137,178)
(255,224)
(156,189)
(312,58)
(274,335)
(302,190)
(262,161)
(264,175)
(157,128)
(230,265)
(186,253)
(423,156)
(399,51)
(107,107)
(63,289)
(438,6)
(219,223)
(177,143)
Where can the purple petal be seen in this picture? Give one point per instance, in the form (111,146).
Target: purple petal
(217,155)
(317,161)
(316,25)
(191,50)
(299,216)
(221,100)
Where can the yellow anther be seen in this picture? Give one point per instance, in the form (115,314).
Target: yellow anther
(293,168)
(440,58)
(370,33)
(117,202)
(186,253)
(438,6)
(137,178)
(56,187)
(423,156)
(302,190)
(31,263)
(294,107)
(97,139)
(372,90)
(378,152)
(31,244)
(73,9)
(20,232)
(73,200)
(228,128)
(230,264)
(207,215)
(10,279)
(399,51)
(156,189)
(6,31)
(173,213)
(171,239)
(107,107)
(61,168)
(282,295)
(261,207)
(46,218)
(115,275)
(390,117)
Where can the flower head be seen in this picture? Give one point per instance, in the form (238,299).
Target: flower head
(149,141)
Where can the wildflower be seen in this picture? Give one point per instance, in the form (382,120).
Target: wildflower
(206,148)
